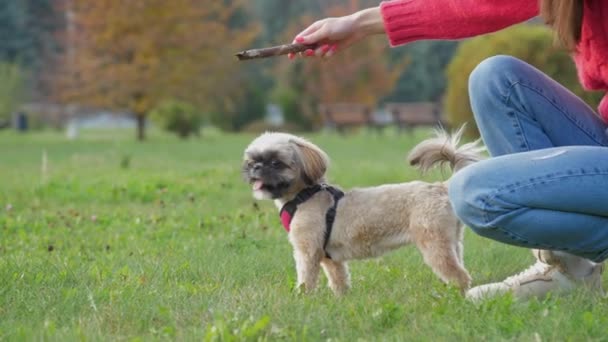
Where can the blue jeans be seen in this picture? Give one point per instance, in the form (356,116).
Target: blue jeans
(546,185)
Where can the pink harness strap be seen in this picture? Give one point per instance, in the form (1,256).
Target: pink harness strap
(286,219)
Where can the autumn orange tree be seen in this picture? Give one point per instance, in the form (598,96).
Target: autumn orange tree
(362,73)
(132,55)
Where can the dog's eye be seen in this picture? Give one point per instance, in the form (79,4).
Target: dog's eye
(275,163)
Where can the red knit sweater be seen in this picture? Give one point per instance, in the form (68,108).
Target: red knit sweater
(410,20)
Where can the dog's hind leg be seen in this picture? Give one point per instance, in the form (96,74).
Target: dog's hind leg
(307,268)
(337,275)
(459,245)
(442,257)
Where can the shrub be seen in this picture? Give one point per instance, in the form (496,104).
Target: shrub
(12,89)
(531,43)
(178,117)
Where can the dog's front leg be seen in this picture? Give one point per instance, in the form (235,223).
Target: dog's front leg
(307,267)
(337,275)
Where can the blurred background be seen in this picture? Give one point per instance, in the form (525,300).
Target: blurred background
(113,64)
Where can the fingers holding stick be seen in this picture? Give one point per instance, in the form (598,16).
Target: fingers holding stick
(275,51)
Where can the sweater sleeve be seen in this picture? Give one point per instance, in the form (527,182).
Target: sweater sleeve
(409,20)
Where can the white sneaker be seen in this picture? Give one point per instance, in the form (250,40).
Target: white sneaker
(537,281)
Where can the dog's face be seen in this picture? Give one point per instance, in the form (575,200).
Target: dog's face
(279,165)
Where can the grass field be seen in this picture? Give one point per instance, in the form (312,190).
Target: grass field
(117,240)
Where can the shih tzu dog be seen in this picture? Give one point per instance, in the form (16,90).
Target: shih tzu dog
(328,227)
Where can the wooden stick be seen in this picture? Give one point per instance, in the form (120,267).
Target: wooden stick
(274,51)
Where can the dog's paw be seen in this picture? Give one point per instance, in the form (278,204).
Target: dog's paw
(300,289)
(339,289)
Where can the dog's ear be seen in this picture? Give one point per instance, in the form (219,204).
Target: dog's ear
(314,160)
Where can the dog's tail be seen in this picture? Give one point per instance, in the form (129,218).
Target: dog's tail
(443,148)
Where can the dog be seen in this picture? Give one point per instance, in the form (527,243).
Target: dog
(328,227)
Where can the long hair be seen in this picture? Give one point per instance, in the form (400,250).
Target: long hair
(565,18)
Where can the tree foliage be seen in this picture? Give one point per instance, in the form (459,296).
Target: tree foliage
(13,33)
(424,78)
(362,73)
(12,89)
(531,43)
(26,31)
(134,54)
(277,15)
(27,39)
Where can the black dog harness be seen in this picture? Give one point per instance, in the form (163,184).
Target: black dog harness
(289,209)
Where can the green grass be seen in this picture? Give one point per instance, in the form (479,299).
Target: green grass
(122,240)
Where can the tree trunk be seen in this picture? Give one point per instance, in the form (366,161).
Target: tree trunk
(141,127)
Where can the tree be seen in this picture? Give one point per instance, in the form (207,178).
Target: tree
(26,31)
(531,43)
(13,33)
(134,54)
(362,73)
(27,34)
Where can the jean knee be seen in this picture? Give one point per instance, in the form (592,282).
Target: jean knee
(494,70)
(466,194)
(492,78)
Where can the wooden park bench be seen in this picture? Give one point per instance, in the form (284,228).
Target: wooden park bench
(340,116)
(407,115)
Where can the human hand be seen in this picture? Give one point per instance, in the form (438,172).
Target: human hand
(331,34)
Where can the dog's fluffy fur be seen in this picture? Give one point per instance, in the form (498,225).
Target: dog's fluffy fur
(369,221)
